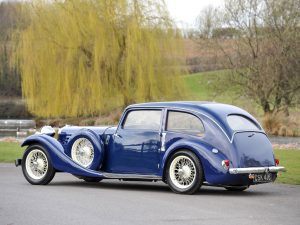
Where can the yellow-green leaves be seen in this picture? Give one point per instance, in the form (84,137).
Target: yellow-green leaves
(86,57)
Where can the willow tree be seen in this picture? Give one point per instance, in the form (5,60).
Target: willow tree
(84,57)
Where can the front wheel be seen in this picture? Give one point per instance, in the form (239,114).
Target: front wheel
(36,165)
(184,173)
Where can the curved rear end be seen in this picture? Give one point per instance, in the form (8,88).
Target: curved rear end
(252,149)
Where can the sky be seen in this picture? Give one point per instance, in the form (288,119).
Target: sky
(185,12)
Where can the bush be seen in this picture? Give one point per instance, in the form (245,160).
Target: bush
(282,125)
(13,110)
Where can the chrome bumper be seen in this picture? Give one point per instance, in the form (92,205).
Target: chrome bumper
(272,169)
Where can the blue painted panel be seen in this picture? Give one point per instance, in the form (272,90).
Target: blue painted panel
(211,162)
(133,151)
(59,159)
(138,151)
(253,150)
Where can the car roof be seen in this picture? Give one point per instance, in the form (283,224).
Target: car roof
(178,104)
(217,112)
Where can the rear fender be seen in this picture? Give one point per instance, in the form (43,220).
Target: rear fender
(211,162)
(59,159)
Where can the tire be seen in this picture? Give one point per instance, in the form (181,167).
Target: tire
(237,188)
(189,177)
(92,150)
(92,179)
(37,166)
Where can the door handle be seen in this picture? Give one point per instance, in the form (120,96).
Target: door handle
(117,135)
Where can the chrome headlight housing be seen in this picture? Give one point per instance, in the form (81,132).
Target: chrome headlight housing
(48,130)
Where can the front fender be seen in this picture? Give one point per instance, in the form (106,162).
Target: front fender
(59,159)
(211,162)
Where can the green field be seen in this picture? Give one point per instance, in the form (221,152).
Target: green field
(288,158)
(10,151)
(215,86)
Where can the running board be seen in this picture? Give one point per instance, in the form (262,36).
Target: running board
(129,176)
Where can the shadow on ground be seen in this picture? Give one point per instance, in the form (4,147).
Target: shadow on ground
(155,187)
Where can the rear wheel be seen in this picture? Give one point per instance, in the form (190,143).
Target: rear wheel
(36,165)
(184,173)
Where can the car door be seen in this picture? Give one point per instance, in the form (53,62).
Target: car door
(137,142)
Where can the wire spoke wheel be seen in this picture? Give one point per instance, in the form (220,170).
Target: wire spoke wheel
(36,164)
(182,172)
(82,152)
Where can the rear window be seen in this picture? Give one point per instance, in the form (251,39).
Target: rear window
(237,122)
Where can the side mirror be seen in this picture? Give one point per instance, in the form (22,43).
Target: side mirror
(48,130)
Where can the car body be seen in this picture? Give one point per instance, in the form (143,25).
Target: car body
(185,144)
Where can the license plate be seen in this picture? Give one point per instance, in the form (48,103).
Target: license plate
(262,177)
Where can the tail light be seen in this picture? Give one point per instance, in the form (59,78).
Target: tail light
(225,164)
(276,162)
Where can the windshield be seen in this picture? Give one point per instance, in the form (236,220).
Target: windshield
(237,122)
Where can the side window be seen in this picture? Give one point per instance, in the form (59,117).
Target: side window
(185,123)
(143,119)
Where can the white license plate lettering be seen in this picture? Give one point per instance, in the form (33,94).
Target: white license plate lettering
(264,177)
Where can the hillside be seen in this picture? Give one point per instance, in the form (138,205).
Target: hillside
(213,86)
(208,86)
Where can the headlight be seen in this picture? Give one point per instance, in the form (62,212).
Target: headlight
(48,130)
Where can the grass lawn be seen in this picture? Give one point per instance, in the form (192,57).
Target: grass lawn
(288,158)
(210,86)
(10,151)
(206,86)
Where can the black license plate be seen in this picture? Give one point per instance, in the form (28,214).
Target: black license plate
(262,177)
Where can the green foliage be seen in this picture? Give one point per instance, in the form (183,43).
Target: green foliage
(11,20)
(86,57)
(13,109)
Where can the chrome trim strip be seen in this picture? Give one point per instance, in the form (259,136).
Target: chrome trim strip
(229,139)
(180,109)
(196,112)
(193,112)
(130,176)
(247,170)
(163,141)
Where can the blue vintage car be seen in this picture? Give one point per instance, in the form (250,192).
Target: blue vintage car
(184,144)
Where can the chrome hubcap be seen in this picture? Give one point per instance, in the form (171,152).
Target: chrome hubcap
(182,172)
(83,152)
(36,164)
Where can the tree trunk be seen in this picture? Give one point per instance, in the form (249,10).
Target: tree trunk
(266,106)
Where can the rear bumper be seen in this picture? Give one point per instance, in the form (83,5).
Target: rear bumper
(271,169)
